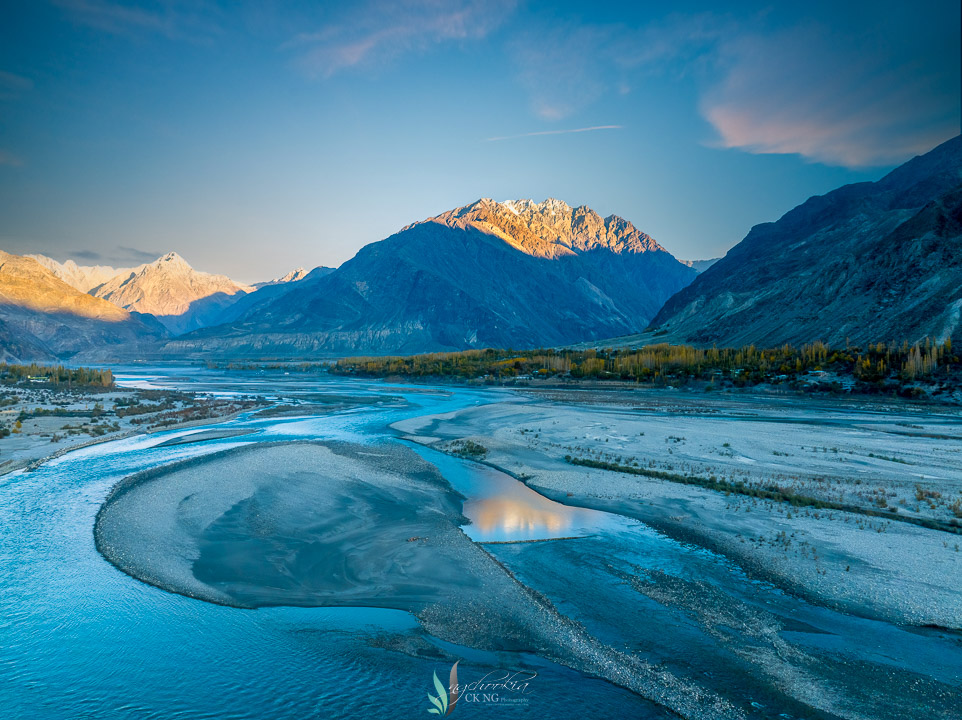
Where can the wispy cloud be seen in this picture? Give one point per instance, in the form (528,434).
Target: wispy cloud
(564,68)
(381,30)
(567,66)
(86,255)
(173,19)
(555,132)
(875,89)
(130,254)
(9,159)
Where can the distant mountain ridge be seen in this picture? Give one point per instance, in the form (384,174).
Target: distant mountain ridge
(293,276)
(700,266)
(81,277)
(512,274)
(181,298)
(550,229)
(269,292)
(44,318)
(869,262)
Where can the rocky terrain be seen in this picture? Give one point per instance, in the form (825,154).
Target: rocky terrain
(866,263)
(181,298)
(269,292)
(82,277)
(43,318)
(164,297)
(513,274)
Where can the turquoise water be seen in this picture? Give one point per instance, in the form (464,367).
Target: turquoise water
(80,639)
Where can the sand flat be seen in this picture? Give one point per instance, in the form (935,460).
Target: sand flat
(844,451)
(337,524)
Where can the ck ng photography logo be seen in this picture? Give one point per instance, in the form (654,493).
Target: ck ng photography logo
(498,687)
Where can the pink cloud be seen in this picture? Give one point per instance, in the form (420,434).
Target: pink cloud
(826,97)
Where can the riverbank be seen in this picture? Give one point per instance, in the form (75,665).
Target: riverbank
(870,455)
(47,422)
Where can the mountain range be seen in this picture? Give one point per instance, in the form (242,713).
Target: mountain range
(181,298)
(868,262)
(511,274)
(169,290)
(44,318)
(80,277)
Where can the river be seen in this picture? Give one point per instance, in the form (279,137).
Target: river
(79,638)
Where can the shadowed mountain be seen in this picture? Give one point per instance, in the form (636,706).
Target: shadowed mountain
(513,274)
(44,318)
(868,262)
(269,292)
(293,276)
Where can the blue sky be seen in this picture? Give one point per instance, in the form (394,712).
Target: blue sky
(255,137)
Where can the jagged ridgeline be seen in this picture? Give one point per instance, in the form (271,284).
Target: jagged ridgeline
(518,274)
(866,262)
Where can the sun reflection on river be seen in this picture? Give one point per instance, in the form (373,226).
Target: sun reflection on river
(502,509)
(512,517)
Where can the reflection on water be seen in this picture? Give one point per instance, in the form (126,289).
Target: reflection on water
(501,509)
(513,518)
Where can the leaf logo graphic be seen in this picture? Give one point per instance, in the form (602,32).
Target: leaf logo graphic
(445,700)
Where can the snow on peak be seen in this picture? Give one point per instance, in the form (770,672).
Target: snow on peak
(555,205)
(550,206)
(171,258)
(292,276)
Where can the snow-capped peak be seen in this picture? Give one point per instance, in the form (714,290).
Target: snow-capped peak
(292,276)
(171,258)
(550,206)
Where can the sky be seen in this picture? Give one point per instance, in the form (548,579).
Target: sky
(252,138)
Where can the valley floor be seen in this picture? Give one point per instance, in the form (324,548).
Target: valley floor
(893,464)
(700,591)
(55,420)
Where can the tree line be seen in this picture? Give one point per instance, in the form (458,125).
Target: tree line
(56,375)
(875,363)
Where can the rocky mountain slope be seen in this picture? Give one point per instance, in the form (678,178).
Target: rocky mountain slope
(269,292)
(181,298)
(44,318)
(293,276)
(513,274)
(81,277)
(868,262)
